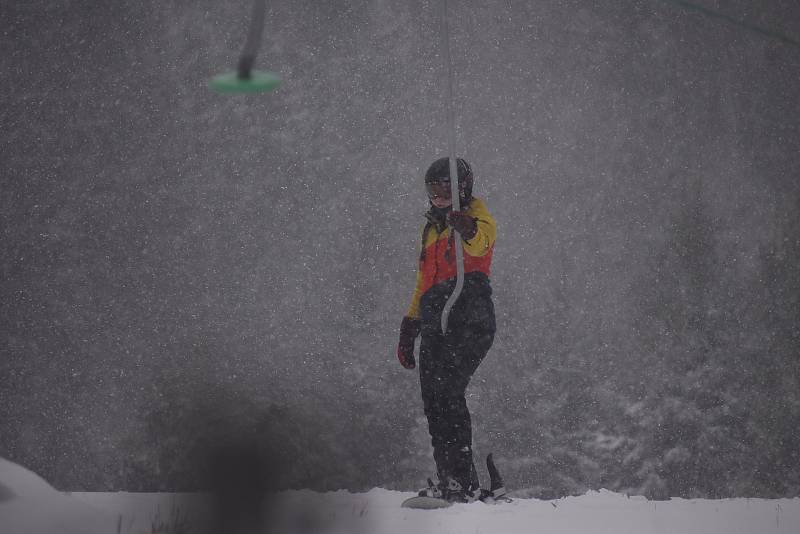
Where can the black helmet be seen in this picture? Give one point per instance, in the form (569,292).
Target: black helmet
(439,172)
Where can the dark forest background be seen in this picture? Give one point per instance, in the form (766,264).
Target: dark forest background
(183,271)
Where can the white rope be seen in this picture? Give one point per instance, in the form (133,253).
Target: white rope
(454,195)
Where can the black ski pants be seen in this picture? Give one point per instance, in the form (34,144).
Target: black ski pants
(446,365)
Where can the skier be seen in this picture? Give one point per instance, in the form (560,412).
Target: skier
(448,360)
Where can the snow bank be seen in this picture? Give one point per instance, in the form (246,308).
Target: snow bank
(16,481)
(31,506)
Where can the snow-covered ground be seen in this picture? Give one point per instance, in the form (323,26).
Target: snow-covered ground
(29,505)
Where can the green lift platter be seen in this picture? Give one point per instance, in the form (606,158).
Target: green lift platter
(257,82)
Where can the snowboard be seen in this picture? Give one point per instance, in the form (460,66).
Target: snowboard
(432,503)
(422,502)
(425,503)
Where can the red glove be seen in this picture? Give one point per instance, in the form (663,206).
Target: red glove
(409,330)
(467,226)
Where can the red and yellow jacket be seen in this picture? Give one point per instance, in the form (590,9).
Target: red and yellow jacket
(437,264)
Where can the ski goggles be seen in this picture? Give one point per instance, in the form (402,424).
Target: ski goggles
(438,190)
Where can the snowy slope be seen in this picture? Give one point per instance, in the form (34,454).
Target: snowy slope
(379,512)
(28,505)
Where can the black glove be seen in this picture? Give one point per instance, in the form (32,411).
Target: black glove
(409,330)
(467,226)
(438,217)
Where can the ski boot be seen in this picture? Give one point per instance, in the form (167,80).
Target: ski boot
(452,491)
